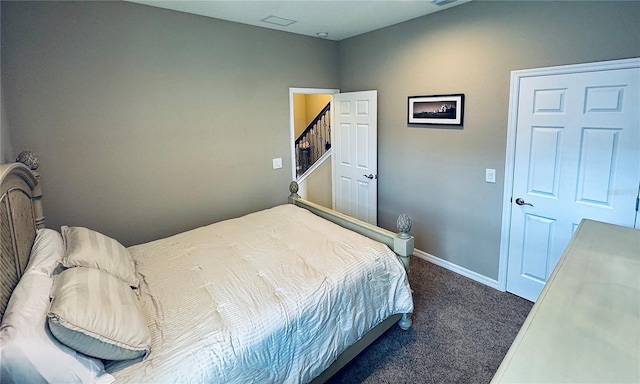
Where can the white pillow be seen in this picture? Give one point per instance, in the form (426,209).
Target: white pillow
(29,352)
(97,314)
(46,253)
(87,248)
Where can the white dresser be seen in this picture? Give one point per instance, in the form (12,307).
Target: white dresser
(585,326)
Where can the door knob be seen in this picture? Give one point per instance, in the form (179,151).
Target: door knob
(520,201)
(370,176)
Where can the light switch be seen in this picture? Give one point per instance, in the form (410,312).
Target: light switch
(277,163)
(490,175)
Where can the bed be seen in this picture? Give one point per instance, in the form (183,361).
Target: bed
(288,294)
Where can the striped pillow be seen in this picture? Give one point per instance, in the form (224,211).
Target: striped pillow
(87,248)
(97,314)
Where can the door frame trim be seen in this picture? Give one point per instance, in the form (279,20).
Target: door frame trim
(516,78)
(306,91)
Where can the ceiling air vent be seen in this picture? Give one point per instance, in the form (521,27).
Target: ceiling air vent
(281,21)
(442,2)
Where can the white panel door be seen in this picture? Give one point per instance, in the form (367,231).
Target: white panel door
(577,155)
(355,154)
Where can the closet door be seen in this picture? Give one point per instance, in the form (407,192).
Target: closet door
(577,155)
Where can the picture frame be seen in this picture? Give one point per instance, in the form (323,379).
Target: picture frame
(436,109)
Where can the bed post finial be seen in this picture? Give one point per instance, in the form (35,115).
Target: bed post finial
(31,160)
(404,226)
(403,243)
(293,188)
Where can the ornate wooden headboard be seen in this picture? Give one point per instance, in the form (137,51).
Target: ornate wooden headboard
(20,216)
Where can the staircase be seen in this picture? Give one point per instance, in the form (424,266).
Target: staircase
(313,142)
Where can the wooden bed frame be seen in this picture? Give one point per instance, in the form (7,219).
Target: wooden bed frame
(21,214)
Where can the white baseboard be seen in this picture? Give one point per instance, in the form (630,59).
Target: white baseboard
(457,269)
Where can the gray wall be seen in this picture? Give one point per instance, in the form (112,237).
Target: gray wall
(6,149)
(148,121)
(437,174)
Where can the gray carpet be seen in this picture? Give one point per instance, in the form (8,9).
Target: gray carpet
(461,331)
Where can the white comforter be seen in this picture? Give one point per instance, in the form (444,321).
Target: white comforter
(271,297)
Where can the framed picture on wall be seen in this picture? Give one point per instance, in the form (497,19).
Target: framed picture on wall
(436,109)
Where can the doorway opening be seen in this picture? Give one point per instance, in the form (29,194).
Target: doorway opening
(310,127)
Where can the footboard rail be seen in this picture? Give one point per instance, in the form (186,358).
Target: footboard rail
(401,243)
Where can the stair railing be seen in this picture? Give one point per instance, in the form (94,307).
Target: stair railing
(313,142)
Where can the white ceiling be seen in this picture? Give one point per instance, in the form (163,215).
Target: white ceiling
(339,19)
